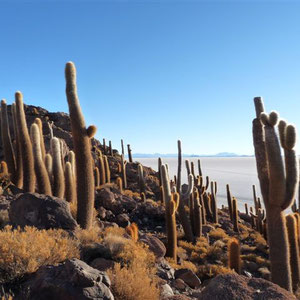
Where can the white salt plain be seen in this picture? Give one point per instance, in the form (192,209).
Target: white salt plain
(239,172)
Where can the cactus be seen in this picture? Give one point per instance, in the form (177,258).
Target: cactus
(142,184)
(102,169)
(70,190)
(9,154)
(82,149)
(71,159)
(171,203)
(18,156)
(133,231)
(214,207)
(110,149)
(246,209)
(234,256)
(159,172)
(97,176)
(229,201)
(104,146)
(278,184)
(199,168)
(123,169)
(25,146)
(4,169)
(184,220)
(58,173)
(235,215)
(42,144)
(49,166)
(42,177)
(122,146)
(107,169)
(120,184)
(294,250)
(129,154)
(197,215)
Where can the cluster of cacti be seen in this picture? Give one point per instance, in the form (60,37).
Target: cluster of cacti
(233,209)
(278,183)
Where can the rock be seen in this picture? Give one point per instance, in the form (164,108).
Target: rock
(155,245)
(71,280)
(179,284)
(166,290)
(123,220)
(164,270)
(251,266)
(206,229)
(265,272)
(91,252)
(102,264)
(189,277)
(41,211)
(236,287)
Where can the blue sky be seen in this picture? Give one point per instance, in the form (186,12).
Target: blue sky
(151,72)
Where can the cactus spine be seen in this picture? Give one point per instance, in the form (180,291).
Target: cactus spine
(82,149)
(42,177)
(25,146)
(234,256)
(278,184)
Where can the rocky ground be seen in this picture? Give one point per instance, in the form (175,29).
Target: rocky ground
(96,262)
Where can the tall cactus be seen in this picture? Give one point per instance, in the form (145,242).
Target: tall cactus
(58,171)
(7,144)
(235,215)
(278,184)
(42,177)
(142,184)
(129,154)
(38,121)
(171,204)
(294,250)
(184,220)
(18,154)
(70,190)
(82,149)
(229,201)
(25,146)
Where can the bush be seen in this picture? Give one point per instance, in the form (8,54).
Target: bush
(24,251)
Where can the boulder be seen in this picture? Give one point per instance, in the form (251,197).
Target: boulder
(102,264)
(189,277)
(235,287)
(71,280)
(41,211)
(155,245)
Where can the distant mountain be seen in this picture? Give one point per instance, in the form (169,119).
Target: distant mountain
(155,155)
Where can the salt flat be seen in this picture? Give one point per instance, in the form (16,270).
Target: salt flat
(239,172)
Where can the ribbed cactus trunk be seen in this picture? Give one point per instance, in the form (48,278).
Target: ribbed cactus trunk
(82,149)
(42,177)
(25,146)
(9,154)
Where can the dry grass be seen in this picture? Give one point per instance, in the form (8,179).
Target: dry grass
(219,233)
(133,278)
(133,283)
(131,194)
(211,271)
(184,265)
(24,251)
(89,237)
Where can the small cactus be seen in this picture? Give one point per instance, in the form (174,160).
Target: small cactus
(234,256)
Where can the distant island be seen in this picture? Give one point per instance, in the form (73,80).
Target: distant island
(221,154)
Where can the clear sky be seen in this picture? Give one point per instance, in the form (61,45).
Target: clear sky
(151,72)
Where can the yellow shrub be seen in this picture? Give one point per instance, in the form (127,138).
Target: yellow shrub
(218,233)
(133,283)
(184,265)
(24,251)
(212,270)
(90,236)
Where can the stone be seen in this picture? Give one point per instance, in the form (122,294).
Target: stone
(155,245)
(71,280)
(189,277)
(166,290)
(102,264)
(236,287)
(123,220)
(41,211)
